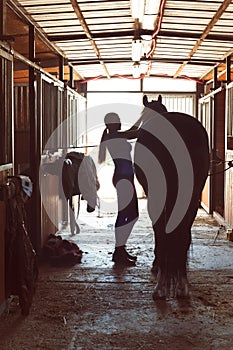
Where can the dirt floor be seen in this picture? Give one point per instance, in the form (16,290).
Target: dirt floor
(93,305)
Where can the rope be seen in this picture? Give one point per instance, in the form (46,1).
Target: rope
(230,165)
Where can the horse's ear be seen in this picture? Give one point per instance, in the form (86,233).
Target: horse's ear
(145,100)
(160,98)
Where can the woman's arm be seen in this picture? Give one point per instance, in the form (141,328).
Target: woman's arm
(136,125)
(129,134)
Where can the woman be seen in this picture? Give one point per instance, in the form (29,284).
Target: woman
(115,141)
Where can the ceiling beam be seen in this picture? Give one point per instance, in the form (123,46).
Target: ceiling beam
(88,34)
(130,33)
(204,34)
(90,61)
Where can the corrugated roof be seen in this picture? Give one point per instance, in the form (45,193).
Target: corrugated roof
(194,37)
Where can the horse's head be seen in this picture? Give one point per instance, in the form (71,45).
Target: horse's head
(155,105)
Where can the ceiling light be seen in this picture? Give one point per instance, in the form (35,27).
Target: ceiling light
(136,70)
(136,50)
(146,45)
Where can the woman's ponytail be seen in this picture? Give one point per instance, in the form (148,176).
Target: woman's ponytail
(102,147)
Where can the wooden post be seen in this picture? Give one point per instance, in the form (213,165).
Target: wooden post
(71,69)
(61,68)
(35,149)
(228,67)
(216,82)
(2,19)
(199,91)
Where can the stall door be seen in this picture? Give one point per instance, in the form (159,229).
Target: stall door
(229,157)
(205,117)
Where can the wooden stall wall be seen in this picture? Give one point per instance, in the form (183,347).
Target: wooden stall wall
(2,255)
(82,134)
(76,123)
(63,126)
(6,153)
(228,215)
(50,206)
(212,116)
(74,134)
(6,122)
(219,152)
(51,109)
(21,128)
(228,210)
(58,110)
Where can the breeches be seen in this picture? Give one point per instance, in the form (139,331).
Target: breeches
(127,208)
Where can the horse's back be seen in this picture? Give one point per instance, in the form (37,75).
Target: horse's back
(180,127)
(172,154)
(190,129)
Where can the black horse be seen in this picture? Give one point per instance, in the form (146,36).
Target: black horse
(171,163)
(77,176)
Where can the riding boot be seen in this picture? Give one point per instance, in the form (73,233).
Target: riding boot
(131,257)
(122,257)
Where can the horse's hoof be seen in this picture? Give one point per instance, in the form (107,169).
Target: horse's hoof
(159,294)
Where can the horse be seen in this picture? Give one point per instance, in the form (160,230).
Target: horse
(171,163)
(77,176)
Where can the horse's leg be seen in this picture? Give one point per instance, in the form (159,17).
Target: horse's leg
(171,255)
(72,216)
(170,259)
